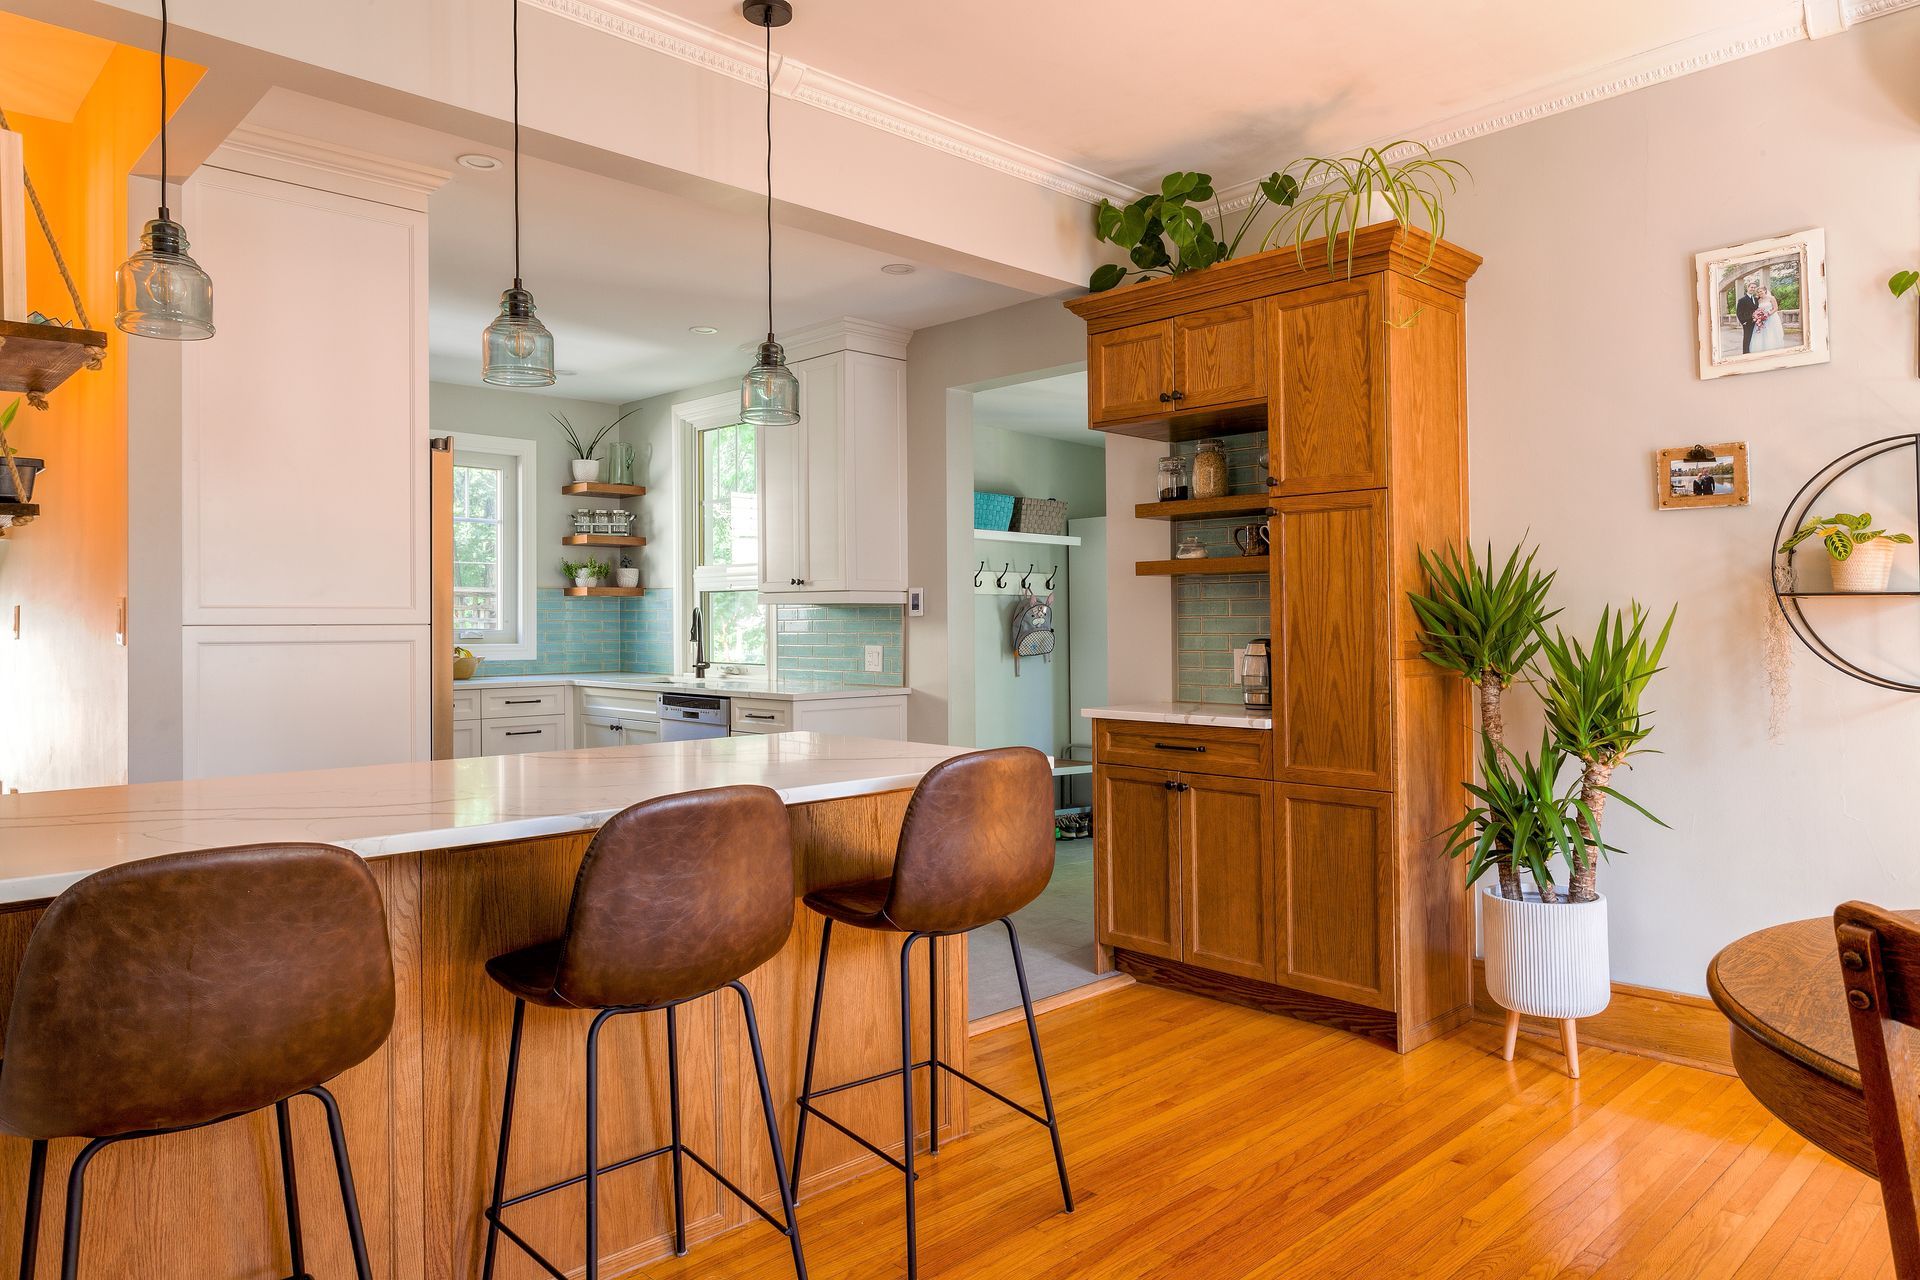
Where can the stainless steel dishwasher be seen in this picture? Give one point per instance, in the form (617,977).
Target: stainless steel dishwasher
(684,716)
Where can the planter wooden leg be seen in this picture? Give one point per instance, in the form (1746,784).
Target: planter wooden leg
(1570,1044)
(1513,1034)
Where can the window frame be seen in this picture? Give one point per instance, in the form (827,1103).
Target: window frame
(690,419)
(526,454)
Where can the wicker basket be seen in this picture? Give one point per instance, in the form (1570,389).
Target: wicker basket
(1040,515)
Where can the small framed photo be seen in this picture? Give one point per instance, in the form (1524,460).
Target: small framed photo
(1701,475)
(1763,305)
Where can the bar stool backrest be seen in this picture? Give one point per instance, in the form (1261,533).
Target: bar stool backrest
(977,843)
(678,896)
(178,990)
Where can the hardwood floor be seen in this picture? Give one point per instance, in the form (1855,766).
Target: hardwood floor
(1211,1142)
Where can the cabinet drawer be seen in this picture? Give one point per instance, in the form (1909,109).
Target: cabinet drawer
(770,716)
(466,703)
(512,737)
(525,700)
(1233,753)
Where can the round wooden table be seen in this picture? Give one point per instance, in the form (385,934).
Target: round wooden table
(1792,1041)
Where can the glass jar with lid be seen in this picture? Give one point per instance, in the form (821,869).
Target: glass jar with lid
(1210,470)
(1173,478)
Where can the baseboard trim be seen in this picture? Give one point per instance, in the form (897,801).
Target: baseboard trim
(1659,1024)
(1105,984)
(1375,1024)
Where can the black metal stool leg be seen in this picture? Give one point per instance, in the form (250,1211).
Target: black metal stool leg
(506,1133)
(76,1201)
(933,1046)
(349,1202)
(30,1228)
(289,1183)
(593,1143)
(773,1131)
(1039,1062)
(906,1096)
(813,1044)
(673,1100)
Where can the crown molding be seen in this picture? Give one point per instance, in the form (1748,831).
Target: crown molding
(270,152)
(642,24)
(848,333)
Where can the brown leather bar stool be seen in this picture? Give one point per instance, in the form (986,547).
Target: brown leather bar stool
(181,991)
(976,846)
(676,898)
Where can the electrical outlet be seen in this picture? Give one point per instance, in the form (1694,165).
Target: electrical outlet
(873,657)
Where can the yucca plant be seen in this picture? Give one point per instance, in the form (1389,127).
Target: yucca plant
(1591,695)
(1336,193)
(1519,818)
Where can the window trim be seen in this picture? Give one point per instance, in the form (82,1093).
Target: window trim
(689,418)
(527,454)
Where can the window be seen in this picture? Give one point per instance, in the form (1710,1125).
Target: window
(493,505)
(724,529)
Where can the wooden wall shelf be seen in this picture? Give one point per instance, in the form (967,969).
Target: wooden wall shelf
(596,489)
(36,358)
(1212,564)
(602,540)
(1234,504)
(605,591)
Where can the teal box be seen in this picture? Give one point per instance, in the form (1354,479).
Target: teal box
(993,511)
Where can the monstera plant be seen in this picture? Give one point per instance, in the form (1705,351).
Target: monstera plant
(1168,235)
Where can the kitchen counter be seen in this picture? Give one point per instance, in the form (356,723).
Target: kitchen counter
(722,686)
(1219,714)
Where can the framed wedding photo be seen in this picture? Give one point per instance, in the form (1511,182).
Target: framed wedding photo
(1700,475)
(1762,305)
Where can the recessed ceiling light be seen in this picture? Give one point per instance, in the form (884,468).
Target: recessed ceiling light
(477,160)
(899,268)
(704,330)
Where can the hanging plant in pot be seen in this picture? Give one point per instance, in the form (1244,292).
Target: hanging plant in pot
(1861,557)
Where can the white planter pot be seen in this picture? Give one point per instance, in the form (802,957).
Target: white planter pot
(587,470)
(584,580)
(1867,569)
(1546,960)
(625,577)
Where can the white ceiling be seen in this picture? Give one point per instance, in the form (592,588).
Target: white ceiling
(621,272)
(1055,407)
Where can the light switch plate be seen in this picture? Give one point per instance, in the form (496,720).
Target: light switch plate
(916,602)
(873,657)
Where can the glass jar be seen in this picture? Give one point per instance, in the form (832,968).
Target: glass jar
(602,521)
(582,520)
(1190,548)
(1210,470)
(1173,478)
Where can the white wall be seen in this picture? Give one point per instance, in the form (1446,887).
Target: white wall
(1581,363)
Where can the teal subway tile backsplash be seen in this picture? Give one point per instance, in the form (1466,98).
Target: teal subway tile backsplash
(829,641)
(1213,616)
(596,633)
(646,638)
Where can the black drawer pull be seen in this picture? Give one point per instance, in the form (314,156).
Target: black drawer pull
(757,715)
(1176,746)
(514,702)
(519,733)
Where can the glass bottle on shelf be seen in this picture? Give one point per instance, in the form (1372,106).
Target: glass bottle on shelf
(1173,478)
(1210,470)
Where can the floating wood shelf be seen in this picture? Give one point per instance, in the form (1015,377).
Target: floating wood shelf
(602,540)
(1234,504)
(1043,539)
(605,591)
(595,489)
(12,513)
(36,358)
(1212,564)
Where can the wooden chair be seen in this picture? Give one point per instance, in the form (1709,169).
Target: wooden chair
(1880,966)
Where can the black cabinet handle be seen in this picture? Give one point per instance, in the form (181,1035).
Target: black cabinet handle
(520,733)
(1177,786)
(514,702)
(756,715)
(1176,746)
(1179,395)
(1165,397)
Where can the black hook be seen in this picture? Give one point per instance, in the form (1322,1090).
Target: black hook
(1051,575)
(1001,580)
(977,572)
(1028,574)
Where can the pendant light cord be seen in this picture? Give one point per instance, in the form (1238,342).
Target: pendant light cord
(163,110)
(516,142)
(769,181)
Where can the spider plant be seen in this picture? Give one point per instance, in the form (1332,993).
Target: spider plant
(1591,695)
(1338,192)
(583,447)
(1519,818)
(1147,226)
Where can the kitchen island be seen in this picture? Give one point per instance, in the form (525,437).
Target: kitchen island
(477,857)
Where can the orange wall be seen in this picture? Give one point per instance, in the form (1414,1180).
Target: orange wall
(63,683)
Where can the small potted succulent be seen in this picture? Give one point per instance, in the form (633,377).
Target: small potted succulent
(627,576)
(585,573)
(1860,556)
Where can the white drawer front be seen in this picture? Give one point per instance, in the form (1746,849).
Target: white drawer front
(617,700)
(466,739)
(524,700)
(756,716)
(512,737)
(466,703)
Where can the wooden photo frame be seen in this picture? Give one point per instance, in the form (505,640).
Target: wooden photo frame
(1762,305)
(13,227)
(1700,475)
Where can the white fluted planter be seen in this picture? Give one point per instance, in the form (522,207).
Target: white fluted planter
(1546,960)
(1867,569)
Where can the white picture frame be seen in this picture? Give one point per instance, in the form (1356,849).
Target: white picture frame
(13,227)
(1773,273)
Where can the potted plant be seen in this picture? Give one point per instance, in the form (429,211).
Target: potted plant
(585,573)
(1485,627)
(1861,557)
(1150,224)
(1901,282)
(16,473)
(628,574)
(1341,195)
(587,469)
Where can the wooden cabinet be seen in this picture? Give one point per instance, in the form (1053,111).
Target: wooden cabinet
(1227,874)
(1130,372)
(1326,426)
(1196,361)
(1335,855)
(1137,862)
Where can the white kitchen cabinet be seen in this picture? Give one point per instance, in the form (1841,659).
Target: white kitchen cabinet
(516,736)
(874,716)
(616,716)
(833,490)
(466,739)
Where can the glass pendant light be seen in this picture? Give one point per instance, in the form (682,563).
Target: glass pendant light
(161,292)
(516,349)
(769,394)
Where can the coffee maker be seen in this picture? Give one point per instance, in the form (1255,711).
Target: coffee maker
(1256,675)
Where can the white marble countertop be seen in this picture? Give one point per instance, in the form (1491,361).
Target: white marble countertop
(721,686)
(1220,714)
(50,839)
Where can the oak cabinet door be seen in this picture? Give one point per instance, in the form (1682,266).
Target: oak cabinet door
(1219,356)
(1335,892)
(1328,419)
(1130,372)
(1329,590)
(1136,852)
(1226,844)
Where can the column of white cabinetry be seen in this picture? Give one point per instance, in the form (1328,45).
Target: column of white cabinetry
(305,592)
